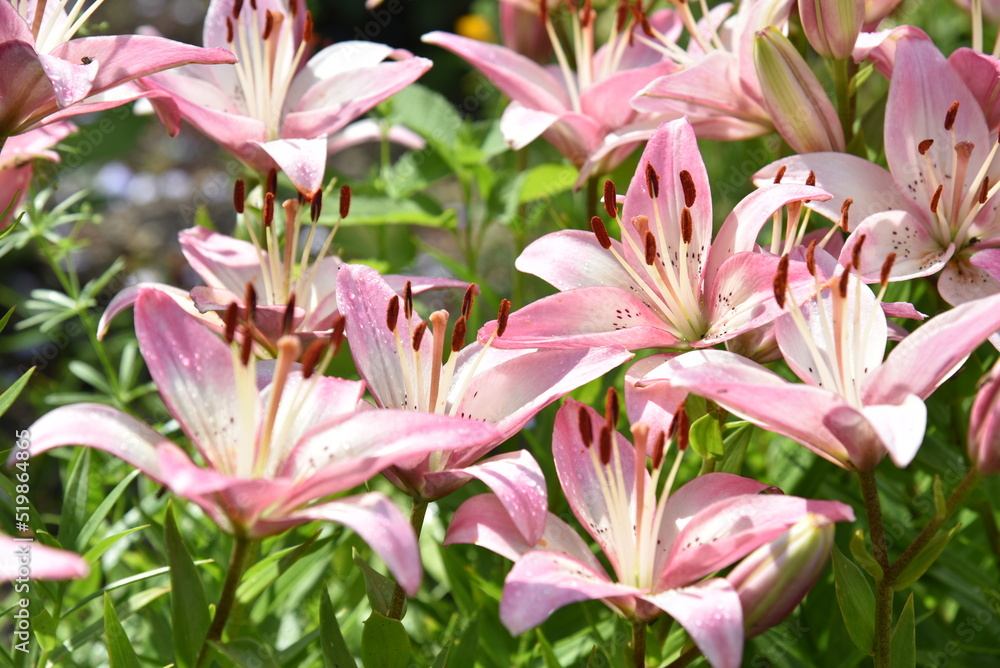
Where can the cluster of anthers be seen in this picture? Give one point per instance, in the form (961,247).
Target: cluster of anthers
(788,233)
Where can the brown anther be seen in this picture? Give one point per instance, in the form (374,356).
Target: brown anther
(601,232)
(458,333)
(408,300)
(842,283)
(687,184)
(856,251)
(811,258)
(586,426)
(288,319)
(650,247)
(268,25)
(418,335)
(230,35)
(780,174)
(605,445)
(781,281)
(239,195)
(949,118)
(610,199)
(652,181)
(502,314)
(250,302)
(337,332)
(890,260)
(293,8)
(687,226)
(470,294)
(268,209)
(811,179)
(925,146)
(682,424)
(543,10)
(659,448)
(271,185)
(345,200)
(307,29)
(311,357)
(647,27)
(392,313)
(936,198)
(232,313)
(984,190)
(316,206)
(845,220)
(237,8)
(253,5)
(246,347)
(621,15)
(611,407)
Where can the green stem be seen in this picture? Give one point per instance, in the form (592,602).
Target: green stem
(686,658)
(985,511)
(591,197)
(237,564)
(842,73)
(417,512)
(883,589)
(639,644)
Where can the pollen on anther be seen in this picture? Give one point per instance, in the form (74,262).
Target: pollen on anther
(239,195)
(779,175)
(470,293)
(781,281)
(268,25)
(458,334)
(984,190)
(237,8)
(268,209)
(856,251)
(611,407)
(936,198)
(311,357)
(610,199)
(845,209)
(392,313)
(345,200)
(272,181)
(408,300)
(949,118)
(502,315)
(687,184)
(652,181)
(307,28)
(925,146)
(601,232)
(890,260)
(316,206)
(650,248)
(811,179)
(811,258)
(687,226)
(842,283)
(418,335)
(229,31)
(337,332)
(250,302)
(288,319)
(232,312)
(605,445)
(586,427)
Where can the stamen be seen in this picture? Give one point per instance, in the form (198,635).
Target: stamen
(890,260)
(683,428)
(652,181)
(610,199)
(337,333)
(439,323)
(811,257)
(311,357)
(949,118)
(345,201)
(268,25)
(659,449)
(247,347)
(250,302)
(458,333)
(272,181)
(779,175)
(316,206)
(611,408)
(687,224)
(502,316)
(781,281)
(925,146)
(856,252)
(307,29)
(621,15)
(232,312)
(392,313)
(268,209)
(293,8)
(687,184)
(984,190)
(936,199)
(288,319)
(605,445)
(470,293)
(418,335)
(601,232)
(408,300)
(811,179)
(543,10)
(239,195)
(844,214)
(229,31)
(650,247)
(842,283)
(585,426)
(237,8)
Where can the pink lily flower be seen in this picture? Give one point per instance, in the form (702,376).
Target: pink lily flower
(24,559)
(936,206)
(984,425)
(277,92)
(402,360)
(48,76)
(16,159)
(716,85)
(274,437)
(660,545)
(522,31)
(577,111)
(666,284)
(852,407)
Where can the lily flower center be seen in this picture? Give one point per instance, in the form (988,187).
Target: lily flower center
(958,189)
(52,23)
(635,504)
(705,36)
(269,53)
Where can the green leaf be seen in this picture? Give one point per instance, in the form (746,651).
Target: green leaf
(857,602)
(429,114)
(95,519)
(384,643)
(863,557)
(548,654)
(247,652)
(381,210)
(75,498)
(379,587)
(331,640)
(903,647)
(90,375)
(6,317)
(924,559)
(706,437)
(260,576)
(735,445)
(103,545)
(44,628)
(10,394)
(546,181)
(120,652)
(188,604)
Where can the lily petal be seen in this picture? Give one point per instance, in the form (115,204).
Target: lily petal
(711,613)
(302,160)
(39,561)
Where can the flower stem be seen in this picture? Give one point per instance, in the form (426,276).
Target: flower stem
(883,589)
(686,658)
(639,644)
(591,197)
(417,512)
(237,564)
(845,102)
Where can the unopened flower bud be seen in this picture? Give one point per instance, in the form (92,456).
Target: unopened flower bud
(802,113)
(832,26)
(984,425)
(774,579)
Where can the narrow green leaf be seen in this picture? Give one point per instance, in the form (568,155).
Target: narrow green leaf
(10,394)
(120,652)
(548,654)
(74,510)
(903,647)
(331,640)
(857,602)
(260,576)
(188,604)
(95,519)
(706,437)
(384,643)
(378,586)
(546,181)
(247,652)
(735,445)
(44,628)
(863,557)
(102,546)
(89,375)
(6,317)
(924,559)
